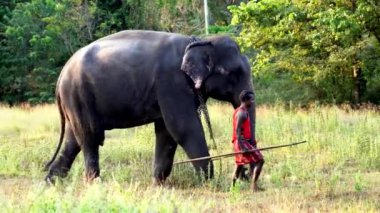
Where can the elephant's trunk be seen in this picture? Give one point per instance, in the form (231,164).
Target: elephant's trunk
(203,109)
(252,116)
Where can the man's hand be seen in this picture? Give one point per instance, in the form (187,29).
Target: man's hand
(242,147)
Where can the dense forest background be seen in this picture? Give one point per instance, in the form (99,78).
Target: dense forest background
(300,51)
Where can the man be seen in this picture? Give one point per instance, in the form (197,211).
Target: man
(242,141)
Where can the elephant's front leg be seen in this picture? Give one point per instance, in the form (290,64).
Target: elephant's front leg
(164,153)
(179,111)
(186,129)
(196,147)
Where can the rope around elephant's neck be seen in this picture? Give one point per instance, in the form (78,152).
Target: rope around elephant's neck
(203,108)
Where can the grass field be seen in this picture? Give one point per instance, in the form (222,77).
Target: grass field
(338,170)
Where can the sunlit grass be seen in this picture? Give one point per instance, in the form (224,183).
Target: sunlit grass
(337,170)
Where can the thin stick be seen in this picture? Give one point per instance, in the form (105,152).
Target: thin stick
(235,153)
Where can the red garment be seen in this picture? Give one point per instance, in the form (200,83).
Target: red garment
(253,157)
(246,158)
(245,126)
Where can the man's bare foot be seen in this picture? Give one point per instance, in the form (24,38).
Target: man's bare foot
(256,188)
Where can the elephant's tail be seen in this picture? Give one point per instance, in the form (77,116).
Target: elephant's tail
(63,123)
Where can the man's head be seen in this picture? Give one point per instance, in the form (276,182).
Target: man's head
(246,97)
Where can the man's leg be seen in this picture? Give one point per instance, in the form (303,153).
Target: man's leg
(254,172)
(236,174)
(243,176)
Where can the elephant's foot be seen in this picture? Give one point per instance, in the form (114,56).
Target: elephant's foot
(55,172)
(50,179)
(87,180)
(205,170)
(92,176)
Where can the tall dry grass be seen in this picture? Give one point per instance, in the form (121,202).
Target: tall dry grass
(337,170)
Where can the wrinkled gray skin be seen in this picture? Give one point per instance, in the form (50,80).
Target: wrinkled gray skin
(133,78)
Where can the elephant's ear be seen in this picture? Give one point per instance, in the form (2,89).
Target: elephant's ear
(197,61)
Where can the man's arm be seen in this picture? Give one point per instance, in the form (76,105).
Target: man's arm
(241,117)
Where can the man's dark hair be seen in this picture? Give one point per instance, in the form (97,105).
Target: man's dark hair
(246,95)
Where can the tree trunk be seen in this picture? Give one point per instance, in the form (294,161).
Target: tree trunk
(360,84)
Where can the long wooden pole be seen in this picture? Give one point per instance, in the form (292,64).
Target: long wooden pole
(234,153)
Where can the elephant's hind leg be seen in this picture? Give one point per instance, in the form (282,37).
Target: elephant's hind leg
(164,152)
(88,129)
(91,154)
(63,164)
(90,141)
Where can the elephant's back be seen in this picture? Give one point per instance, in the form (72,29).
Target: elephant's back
(129,48)
(120,72)
(142,35)
(134,50)
(123,50)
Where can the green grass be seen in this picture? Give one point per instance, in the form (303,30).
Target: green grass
(338,170)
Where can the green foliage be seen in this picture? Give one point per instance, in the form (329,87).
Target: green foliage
(359,185)
(318,43)
(38,36)
(370,57)
(282,88)
(220,29)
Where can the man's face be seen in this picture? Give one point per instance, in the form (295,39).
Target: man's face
(248,103)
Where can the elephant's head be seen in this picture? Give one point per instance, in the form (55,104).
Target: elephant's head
(218,69)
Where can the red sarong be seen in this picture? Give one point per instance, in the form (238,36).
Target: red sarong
(246,158)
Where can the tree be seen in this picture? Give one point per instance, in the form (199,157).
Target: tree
(39,37)
(318,43)
(7,84)
(369,14)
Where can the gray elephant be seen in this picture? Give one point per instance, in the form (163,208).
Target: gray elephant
(133,78)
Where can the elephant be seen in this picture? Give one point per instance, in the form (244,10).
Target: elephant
(136,77)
